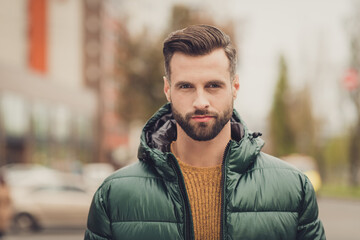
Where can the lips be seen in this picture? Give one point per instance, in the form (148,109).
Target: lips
(202,118)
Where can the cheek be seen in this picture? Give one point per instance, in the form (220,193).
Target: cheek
(182,104)
(222,99)
(180,98)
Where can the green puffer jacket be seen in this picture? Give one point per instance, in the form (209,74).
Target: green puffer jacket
(262,197)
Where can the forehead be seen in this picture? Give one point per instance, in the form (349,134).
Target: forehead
(215,63)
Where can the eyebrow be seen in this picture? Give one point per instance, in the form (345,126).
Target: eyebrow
(218,82)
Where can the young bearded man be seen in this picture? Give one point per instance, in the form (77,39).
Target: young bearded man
(201,173)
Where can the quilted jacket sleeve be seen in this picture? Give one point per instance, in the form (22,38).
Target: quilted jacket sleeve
(310,226)
(98,225)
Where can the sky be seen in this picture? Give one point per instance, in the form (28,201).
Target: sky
(309,33)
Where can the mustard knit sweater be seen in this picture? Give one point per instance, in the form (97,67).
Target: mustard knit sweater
(204,191)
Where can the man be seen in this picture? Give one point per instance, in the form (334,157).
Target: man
(201,174)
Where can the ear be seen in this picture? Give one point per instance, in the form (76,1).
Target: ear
(167,89)
(235,86)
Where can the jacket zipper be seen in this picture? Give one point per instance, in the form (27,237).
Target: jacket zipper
(222,214)
(185,198)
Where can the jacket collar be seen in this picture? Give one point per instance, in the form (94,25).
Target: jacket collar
(160,131)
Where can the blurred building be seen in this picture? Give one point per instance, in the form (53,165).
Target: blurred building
(57,91)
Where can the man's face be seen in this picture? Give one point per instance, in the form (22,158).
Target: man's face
(201,93)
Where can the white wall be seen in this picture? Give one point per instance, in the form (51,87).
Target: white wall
(65,42)
(13,34)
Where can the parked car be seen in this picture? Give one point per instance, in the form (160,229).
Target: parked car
(51,206)
(19,175)
(47,198)
(307,165)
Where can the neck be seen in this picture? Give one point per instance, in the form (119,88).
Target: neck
(202,153)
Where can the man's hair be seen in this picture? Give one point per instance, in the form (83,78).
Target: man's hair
(198,40)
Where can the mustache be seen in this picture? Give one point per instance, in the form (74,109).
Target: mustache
(201,112)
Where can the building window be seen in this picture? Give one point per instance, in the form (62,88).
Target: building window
(14,115)
(61,130)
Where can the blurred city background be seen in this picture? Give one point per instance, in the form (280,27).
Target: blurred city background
(79,78)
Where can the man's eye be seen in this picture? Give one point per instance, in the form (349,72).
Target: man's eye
(184,86)
(214,85)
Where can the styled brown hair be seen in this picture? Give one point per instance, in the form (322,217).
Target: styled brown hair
(197,40)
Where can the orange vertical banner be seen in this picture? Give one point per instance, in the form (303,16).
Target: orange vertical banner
(37,20)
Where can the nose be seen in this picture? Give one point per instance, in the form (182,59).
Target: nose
(201,101)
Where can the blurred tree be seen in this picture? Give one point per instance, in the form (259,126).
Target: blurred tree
(281,132)
(293,126)
(302,121)
(183,16)
(336,153)
(140,65)
(352,82)
(306,127)
(139,72)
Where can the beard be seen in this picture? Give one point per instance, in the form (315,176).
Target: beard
(203,131)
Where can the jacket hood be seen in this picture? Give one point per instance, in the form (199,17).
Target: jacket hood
(160,131)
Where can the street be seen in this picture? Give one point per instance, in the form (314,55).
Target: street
(341,219)
(73,234)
